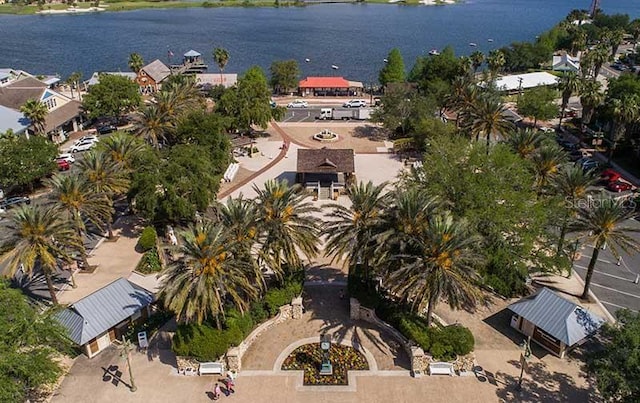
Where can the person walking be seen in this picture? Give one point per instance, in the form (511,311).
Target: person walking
(230,384)
(216,391)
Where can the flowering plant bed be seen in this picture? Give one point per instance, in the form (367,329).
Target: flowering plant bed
(308,358)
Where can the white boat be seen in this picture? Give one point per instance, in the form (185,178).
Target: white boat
(333,66)
(434,52)
(472,44)
(489,40)
(307,60)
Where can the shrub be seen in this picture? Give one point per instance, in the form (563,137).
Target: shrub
(202,342)
(459,338)
(257,312)
(150,262)
(147,239)
(277,297)
(442,343)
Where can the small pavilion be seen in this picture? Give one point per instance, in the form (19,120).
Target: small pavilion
(325,166)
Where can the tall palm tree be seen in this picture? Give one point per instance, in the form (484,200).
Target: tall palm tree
(178,96)
(73,81)
(136,62)
(488,119)
(572,183)
(121,149)
(591,97)
(496,61)
(441,264)
(221,57)
(350,230)
(634,30)
(36,112)
(600,225)
(568,85)
(153,125)
(596,58)
(208,275)
(477,58)
(78,202)
(39,238)
(286,225)
(546,163)
(104,176)
(239,218)
(624,112)
(525,142)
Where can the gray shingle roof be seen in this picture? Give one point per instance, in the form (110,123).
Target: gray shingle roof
(562,319)
(62,115)
(102,310)
(157,70)
(11,119)
(18,92)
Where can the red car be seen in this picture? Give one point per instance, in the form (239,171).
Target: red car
(619,186)
(63,165)
(609,175)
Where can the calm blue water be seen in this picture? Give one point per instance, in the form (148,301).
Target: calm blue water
(355,37)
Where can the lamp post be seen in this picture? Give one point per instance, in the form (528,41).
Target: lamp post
(526,346)
(125,352)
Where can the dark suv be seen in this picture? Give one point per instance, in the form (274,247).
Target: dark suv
(106,129)
(14,201)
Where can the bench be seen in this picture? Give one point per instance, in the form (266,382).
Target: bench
(211,368)
(441,368)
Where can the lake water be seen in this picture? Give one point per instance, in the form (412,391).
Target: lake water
(355,37)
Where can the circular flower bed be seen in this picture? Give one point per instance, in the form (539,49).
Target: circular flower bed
(309,357)
(325,136)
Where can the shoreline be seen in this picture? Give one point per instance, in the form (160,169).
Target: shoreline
(88,8)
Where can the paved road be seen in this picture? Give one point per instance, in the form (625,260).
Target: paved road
(614,285)
(309,114)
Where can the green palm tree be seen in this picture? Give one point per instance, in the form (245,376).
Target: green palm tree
(76,200)
(239,217)
(496,61)
(136,62)
(568,85)
(600,225)
(488,119)
(178,95)
(286,226)
(477,58)
(440,264)
(39,237)
(624,112)
(350,231)
(36,112)
(104,176)
(221,57)
(121,148)
(74,81)
(596,58)
(634,30)
(207,276)
(591,96)
(525,142)
(153,125)
(572,183)
(546,163)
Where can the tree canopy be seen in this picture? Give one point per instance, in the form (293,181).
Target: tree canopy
(113,96)
(24,161)
(284,75)
(393,71)
(538,103)
(29,343)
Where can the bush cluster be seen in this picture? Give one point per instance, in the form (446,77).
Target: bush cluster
(147,239)
(150,325)
(207,343)
(150,262)
(443,343)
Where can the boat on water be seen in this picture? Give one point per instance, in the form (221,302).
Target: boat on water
(489,40)
(333,66)
(434,52)
(472,44)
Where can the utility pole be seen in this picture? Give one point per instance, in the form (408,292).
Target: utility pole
(595,6)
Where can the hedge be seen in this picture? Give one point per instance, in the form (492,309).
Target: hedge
(150,262)
(147,239)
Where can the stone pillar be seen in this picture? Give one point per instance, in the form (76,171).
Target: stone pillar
(233,360)
(354,311)
(296,308)
(417,361)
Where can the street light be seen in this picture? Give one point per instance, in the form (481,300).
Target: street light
(125,352)
(526,346)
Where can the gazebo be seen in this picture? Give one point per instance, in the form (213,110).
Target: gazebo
(325,166)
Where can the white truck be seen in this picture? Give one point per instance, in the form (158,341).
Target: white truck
(344,114)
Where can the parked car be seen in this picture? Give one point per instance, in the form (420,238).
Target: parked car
(106,129)
(83,139)
(619,186)
(355,103)
(609,175)
(575,155)
(567,145)
(298,103)
(588,164)
(66,157)
(272,103)
(14,201)
(547,129)
(63,165)
(82,146)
